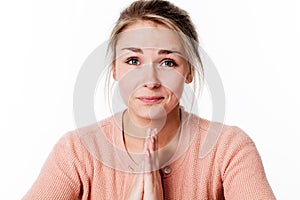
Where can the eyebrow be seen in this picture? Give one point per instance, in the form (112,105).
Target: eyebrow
(161,51)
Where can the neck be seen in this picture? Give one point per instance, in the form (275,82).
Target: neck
(135,129)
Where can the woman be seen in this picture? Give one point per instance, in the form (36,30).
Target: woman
(153,149)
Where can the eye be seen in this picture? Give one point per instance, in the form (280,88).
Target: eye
(133,61)
(169,63)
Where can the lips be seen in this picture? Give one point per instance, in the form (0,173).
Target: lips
(150,99)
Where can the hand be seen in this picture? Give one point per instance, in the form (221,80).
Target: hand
(136,189)
(152,180)
(148,186)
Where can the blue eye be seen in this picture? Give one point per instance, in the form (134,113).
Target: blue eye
(169,63)
(132,61)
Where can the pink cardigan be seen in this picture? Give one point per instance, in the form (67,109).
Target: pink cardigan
(222,164)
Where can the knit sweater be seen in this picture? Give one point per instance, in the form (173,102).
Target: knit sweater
(208,164)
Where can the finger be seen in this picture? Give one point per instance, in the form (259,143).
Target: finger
(150,162)
(147,139)
(153,186)
(149,168)
(152,180)
(151,140)
(151,155)
(136,188)
(147,162)
(148,133)
(155,158)
(154,150)
(148,176)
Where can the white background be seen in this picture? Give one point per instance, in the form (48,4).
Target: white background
(254,44)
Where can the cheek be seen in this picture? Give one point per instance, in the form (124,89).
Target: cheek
(128,82)
(174,81)
(119,72)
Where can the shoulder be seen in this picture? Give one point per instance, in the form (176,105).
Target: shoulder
(219,137)
(73,141)
(230,146)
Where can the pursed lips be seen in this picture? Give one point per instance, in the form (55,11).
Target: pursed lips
(150,99)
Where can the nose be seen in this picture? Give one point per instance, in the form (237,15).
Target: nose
(151,79)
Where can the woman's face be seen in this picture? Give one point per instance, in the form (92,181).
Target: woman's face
(151,69)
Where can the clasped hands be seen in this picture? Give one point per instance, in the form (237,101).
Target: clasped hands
(147,185)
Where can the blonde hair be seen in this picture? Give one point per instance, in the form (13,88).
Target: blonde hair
(165,13)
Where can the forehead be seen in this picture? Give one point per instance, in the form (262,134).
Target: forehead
(149,35)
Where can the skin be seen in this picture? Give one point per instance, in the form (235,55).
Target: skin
(147,185)
(151,70)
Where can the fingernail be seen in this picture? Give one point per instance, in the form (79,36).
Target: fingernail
(152,139)
(154,131)
(148,132)
(148,153)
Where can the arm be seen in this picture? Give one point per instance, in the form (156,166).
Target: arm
(243,174)
(60,175)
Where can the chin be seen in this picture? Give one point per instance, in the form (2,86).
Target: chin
(153,112)
(156,112)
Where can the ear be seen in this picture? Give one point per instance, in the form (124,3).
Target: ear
(113,65)
(189,78)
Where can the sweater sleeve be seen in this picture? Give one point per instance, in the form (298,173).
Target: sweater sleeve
(60,177)
(243,174)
